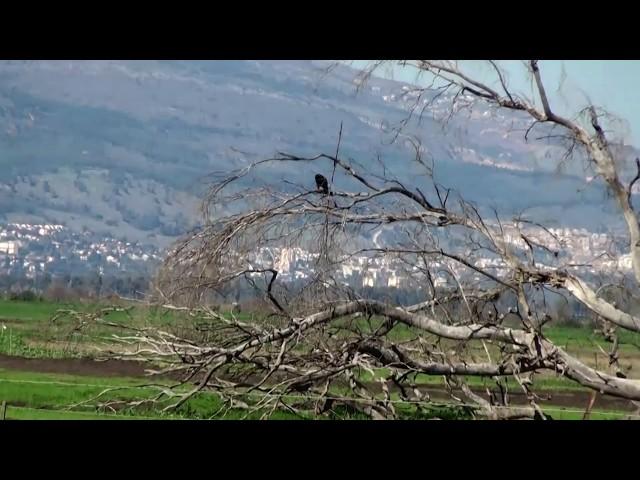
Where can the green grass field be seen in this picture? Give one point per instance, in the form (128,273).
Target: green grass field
(36,330)
(26,330)
(33,321)
(33,396)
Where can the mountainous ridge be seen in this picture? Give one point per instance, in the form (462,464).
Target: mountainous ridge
(124,147)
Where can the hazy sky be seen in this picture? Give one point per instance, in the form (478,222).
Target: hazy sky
(612,84)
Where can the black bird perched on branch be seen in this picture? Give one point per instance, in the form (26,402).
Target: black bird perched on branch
(322,184)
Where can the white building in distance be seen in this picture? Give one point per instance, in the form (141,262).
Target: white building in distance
(9,247)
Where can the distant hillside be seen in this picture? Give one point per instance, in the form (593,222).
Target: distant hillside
(123,147)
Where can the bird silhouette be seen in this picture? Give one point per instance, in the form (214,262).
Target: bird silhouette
(322,184)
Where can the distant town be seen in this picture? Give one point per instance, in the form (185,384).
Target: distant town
(587,252)
(31,250)
(36,255)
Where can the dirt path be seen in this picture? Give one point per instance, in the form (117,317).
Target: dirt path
(73,366)
(568,398)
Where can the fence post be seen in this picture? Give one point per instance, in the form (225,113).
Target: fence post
(3,411)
